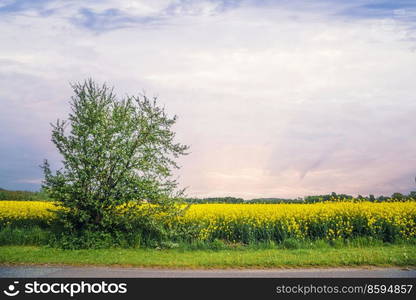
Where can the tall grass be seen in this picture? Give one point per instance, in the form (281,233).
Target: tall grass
(25,236)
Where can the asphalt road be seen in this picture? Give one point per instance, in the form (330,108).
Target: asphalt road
(117,272)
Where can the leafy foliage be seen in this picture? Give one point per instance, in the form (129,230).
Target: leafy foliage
(117,152)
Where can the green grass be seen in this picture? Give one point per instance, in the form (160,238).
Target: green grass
(27,245)
(33,235)
(345,256)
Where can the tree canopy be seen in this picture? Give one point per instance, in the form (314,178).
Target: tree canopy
(115,152)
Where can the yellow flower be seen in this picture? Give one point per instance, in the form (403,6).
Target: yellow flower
(236,222)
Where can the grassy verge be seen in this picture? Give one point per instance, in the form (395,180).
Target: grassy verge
(33,235)
(386,255)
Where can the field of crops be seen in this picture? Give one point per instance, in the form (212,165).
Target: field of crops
(263,222)
(26,213)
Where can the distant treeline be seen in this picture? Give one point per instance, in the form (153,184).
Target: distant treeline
(23,195)
(333,197)
(241,200)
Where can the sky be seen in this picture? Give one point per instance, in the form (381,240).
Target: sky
(274,98)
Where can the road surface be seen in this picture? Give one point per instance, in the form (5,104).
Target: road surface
(118,272)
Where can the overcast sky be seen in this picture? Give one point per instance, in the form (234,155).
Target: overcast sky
(275,98)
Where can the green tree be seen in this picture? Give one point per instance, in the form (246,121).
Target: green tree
(115,152)
(398,196)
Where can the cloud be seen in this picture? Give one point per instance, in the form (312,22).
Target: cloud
(35,181)
(277,98)
(102,16)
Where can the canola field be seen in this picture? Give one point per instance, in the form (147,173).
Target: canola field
(245,223)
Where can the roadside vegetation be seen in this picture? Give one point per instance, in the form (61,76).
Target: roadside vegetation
(114,201)
(314,254)
(241,224)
